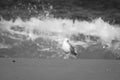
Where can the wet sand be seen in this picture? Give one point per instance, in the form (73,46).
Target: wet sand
(59,69)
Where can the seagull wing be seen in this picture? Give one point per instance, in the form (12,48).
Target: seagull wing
(72,50)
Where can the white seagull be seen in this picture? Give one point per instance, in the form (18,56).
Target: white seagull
(68,48)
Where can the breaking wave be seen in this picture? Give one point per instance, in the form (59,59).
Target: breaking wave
(57,29)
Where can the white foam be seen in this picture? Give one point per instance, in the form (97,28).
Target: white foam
(58,29)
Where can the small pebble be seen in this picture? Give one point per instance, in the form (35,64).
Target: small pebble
(13,61)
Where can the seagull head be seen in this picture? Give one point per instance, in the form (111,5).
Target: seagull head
(66,40)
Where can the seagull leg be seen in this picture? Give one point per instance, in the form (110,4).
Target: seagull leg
(66,56)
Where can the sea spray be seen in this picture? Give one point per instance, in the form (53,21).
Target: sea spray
(57,29)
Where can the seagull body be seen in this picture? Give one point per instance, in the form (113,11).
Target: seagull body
(68,48)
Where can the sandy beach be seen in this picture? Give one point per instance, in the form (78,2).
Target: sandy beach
(58,69)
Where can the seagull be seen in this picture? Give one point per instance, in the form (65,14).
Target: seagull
(68,48)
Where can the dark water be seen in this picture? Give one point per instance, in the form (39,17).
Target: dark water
(74,9)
